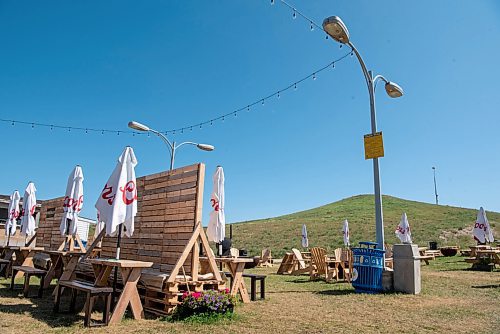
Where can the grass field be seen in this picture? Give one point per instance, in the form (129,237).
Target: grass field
(445,224)
(453,300)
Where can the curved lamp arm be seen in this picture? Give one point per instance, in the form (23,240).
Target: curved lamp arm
(165,139)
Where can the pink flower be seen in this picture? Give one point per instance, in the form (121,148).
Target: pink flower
(227,290)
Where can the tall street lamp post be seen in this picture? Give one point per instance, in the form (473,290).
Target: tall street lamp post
(336,29)
(171,145)
(435,185)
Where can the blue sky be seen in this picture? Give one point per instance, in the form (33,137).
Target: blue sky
(170,64)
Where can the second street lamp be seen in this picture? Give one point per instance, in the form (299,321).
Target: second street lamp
(171,145)
(336,29)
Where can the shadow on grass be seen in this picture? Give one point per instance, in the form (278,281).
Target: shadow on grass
(488,286)
(41,308)
(335,292)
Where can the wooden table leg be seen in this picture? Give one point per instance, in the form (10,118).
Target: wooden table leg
(238,282)
(130,277)
(55,259)
(69,266)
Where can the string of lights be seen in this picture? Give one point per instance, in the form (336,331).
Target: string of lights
(248,107)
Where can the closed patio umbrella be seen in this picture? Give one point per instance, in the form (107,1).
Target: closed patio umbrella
(13,214)
(29,206)
(216,230)
(305,240)
(482,230)
(73,202)
(117,204)
(345,233)
(403,231)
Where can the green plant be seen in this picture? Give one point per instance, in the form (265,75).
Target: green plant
(204,303)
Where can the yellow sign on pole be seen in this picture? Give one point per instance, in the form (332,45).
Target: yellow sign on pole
(374,146)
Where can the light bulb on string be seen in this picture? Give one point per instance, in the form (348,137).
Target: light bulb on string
(13,123)
(86,131)
(118,133)
(352,53)
(200,126)
(69,129)
(32,125)
(340,47)
(235,114)
(272,2)
(295,86)
(211,122)
(182,130)
(278,95)
(326,36)
(294,15)
(51,127)
(312,27)
(333,65)
(262,101)
(102,132)
(223,118)
(314,76)
(248,108)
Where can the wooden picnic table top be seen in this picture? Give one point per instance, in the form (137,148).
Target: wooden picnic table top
(230,259)
(121,263)
(488,251)
(62,253)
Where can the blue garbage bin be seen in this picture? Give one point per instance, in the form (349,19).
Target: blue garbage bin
(368,263)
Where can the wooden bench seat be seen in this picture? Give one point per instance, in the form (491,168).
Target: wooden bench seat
(253,284)
(28,272)
(91,293)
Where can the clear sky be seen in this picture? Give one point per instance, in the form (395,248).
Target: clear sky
(170,64)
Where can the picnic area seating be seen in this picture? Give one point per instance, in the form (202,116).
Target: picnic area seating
(265,258)
(167,233)
(253,284)
(28,272)
(319,265)
(342,263)
(293,263)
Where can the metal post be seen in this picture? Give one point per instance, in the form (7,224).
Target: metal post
(379,219)
(172,156)
(435,186)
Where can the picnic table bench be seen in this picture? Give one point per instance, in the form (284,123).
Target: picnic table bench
(28,272)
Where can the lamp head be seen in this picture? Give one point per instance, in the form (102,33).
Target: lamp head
(138,126)
(336,29)
(205,147)
(393,89)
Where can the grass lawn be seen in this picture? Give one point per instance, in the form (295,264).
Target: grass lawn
(454,300)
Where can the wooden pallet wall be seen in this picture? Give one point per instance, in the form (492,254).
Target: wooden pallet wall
(48,234)
(169,205)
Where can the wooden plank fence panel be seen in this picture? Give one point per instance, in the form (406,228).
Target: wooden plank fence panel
(169,206)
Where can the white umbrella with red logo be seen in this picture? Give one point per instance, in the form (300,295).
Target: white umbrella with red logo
(73,202)
(29,206)
(216,230)
(482,230)
(117,204)
(403,231)
(13,214)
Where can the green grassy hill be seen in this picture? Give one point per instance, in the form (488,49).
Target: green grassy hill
(445,224)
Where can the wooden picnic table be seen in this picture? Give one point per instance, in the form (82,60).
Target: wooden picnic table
(131,272)
(65,260)
(24,257)
(236,266)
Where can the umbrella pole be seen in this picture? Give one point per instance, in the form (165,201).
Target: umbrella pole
(115,277)
(8,238)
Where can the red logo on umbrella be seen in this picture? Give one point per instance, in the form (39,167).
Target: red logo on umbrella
(129,188)
(215,204)
(106,194)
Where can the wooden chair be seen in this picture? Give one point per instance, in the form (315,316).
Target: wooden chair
(346,262)
(265,258)
(300,265)
(286,265)
(319,266)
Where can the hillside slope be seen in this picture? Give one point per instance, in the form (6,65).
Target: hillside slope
(445,224)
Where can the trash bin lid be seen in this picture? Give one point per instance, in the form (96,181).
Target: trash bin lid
(368,244)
